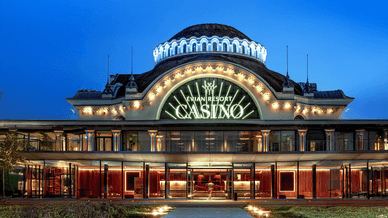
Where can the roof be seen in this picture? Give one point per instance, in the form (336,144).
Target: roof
(336,94)
(210,29)
(143,80)
(88,94)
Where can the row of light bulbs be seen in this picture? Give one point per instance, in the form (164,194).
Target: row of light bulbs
(241,76)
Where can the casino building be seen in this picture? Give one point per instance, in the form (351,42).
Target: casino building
(208,112)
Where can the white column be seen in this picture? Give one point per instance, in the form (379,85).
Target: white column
(302,139)
(360,140)
(330,140)
(265,140)
(116,140)
(58,140)
(259,147)
(153,134)
(90,139)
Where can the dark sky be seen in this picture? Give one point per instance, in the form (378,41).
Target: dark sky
(51,49)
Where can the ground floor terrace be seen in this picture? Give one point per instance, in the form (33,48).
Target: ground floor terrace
(101,179)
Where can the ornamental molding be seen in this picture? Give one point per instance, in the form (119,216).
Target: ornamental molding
(223,44)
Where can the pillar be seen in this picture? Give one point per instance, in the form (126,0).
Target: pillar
(265,140)
(252,182)
(314,172)
(330,140)
(116,140)
(90,140)
(302,139)
(360,140)
(385,139)
(153,134)
(58,140)
(259,147)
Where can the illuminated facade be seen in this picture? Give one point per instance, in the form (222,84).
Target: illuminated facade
(209,111)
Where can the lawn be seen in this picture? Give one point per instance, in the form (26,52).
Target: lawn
(338,212)
(83,209)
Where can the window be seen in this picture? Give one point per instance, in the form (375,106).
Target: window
(282,141)
(316,140)
(234,48)
(243,49)
(194,47)
(204,46)
(184,48)
(176,50)
(214,46)
(225,47)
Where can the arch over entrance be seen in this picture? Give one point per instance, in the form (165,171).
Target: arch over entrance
(209,98)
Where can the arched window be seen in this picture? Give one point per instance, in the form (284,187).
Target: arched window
(194,47)
(204,46)
(250,52)
(298,117)
(176,50)
(225,47)
(184,48)
(243,49)
(234,48)
(168,52)
(214,46)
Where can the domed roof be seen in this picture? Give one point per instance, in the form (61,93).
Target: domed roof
(209,30)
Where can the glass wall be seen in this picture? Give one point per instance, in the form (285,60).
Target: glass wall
(103,141)
(112,179)
(59,180)
(305,180)
(156,180)
(89,179)
(178,180)
(376,141)
(344,141)
(263,180)
(130,141)
(282,141)
(13,182)
(76,142)
(134,180)
(286,180)
(316,140)
(242,180)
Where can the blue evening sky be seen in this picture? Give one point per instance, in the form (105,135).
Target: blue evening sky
(51,49)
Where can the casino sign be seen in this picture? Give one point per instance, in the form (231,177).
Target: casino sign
(209,98)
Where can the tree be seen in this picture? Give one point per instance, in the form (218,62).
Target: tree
(10,156)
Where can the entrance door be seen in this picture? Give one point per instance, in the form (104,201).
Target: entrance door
(209,184)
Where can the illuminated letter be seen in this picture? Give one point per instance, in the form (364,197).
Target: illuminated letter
(194,111)
(225,111)
(206,111)
(239,114)
(213,110)
(177,113)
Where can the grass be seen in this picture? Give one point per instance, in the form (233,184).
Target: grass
(77,210)
(338,212)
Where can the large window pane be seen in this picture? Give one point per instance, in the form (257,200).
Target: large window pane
(89,179)
(130,141)
(157,181)
(133,180)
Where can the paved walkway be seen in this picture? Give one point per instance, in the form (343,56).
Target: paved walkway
(211,212)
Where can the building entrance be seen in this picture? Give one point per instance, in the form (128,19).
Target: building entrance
(209,184)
